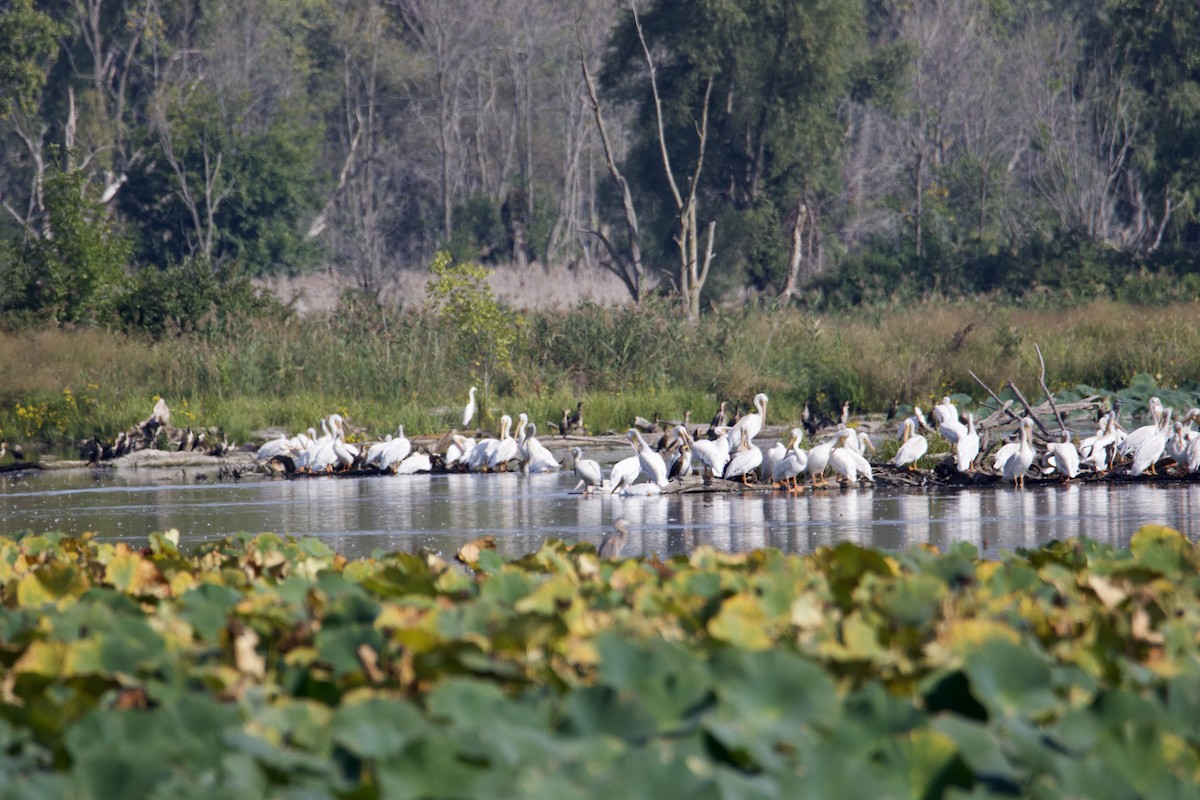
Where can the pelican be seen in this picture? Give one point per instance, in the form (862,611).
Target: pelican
(1152,447)
(749,426)
(770,458)
(912,446)
(846,460)
(918,419)
(624,473)
(1019,462)
(747,459)
(818,459)
(459,450)
(506,447)
(376,450)
(1063,457)
(968,446)
(1094,449)
(396,451)
(612,543)
(469,409)
(1134,439)
(538,456)
(275,447)
(522,435)
(416,462)
(788,468)
(949,426)
(587,470)
(713,454)
(652,464)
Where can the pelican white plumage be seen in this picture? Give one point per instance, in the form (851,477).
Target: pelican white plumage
(376,450)
(1016,465)
(818,459)
(680,465)
(414,463)
(744,461)
(1152,447)
(1177,444)
(506,446)
(912,446)
(712,454)
(1133,440)
(538,456)
(652,464)
(750,425)
(469,409)
(396,451)
(967,448)
(788,468)
(624,473)
(1063,457)
(459,450)
(274,447)
(845,459)
(949,426)
(586,470)
(770,457)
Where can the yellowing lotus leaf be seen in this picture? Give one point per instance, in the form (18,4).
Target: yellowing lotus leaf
(742,623)
(42,658)
(50,583)
(129,572)
(551,596)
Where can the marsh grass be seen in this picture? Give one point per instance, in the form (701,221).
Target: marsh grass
(381,368)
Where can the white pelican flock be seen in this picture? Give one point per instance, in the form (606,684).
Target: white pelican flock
(729,451)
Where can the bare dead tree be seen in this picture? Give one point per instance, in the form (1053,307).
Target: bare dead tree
(626,266)
(693,269)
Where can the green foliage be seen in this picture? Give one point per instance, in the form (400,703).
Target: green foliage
(70,273)
(28,39)
(192,296)
(270,666)
(485,331)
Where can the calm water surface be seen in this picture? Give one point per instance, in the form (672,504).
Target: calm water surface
(358,515)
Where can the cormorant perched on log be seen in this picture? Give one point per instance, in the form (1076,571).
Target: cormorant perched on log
(565,425)
(575,421)
(720,417)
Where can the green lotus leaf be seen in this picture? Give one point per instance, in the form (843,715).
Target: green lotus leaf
(377,727)
(668,680)
(1009,680)
(207,609)
(339,645)
(980,750)
(507,586)
(845,565)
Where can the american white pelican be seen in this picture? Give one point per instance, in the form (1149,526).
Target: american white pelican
(945,414)
(586,470)
(818,459)
(918,419)
(1152,447)
(744,461)
(712,454)
(275,447)
(1134,439)
(788,468)
(967,448)
(749,426)
(652,464)
(459,450)
(376,450)
(506,447)
(912,446)
(414,463)
(1016,465)
(612,543)
(846,461)
(538,458)
(396,450)
(1095,449)
(1063,457)
(469,409)
(624,472)
(522,434)
(770,457)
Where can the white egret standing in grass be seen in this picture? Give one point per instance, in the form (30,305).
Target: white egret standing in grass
(469,409)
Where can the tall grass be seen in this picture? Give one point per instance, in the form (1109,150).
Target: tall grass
(382,368)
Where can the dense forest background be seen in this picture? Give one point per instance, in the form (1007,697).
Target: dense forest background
(159,153)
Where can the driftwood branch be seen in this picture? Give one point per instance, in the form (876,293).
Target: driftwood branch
(1028,409)
(1062,426)
(1004,405)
